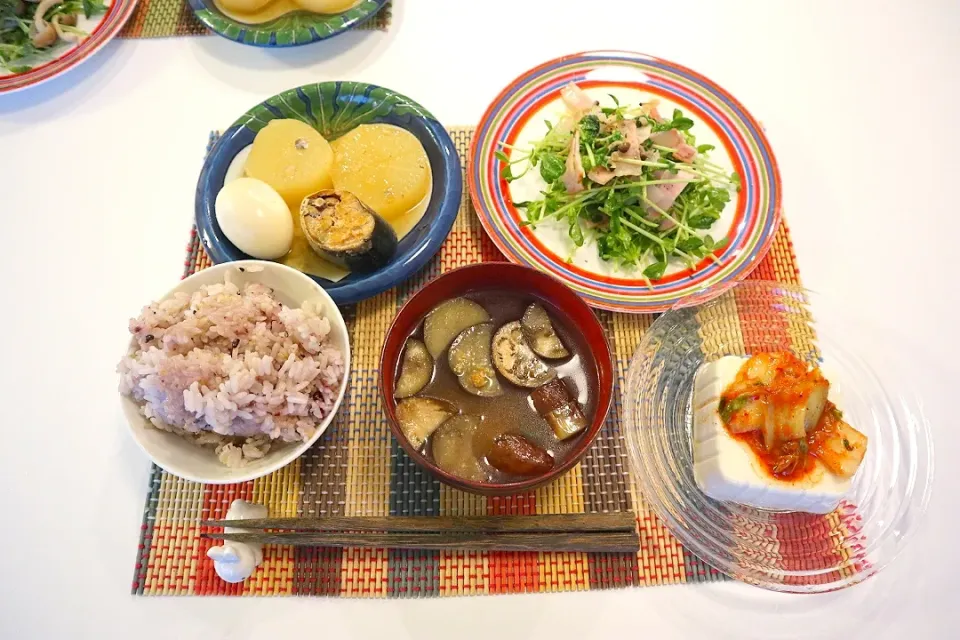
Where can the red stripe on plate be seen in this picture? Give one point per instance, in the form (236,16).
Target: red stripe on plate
(113,21)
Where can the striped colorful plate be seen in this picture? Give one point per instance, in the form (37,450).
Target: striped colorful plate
(516,117)
(64,56)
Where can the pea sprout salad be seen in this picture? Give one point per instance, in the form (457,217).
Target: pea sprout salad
(30,27)
(632,179)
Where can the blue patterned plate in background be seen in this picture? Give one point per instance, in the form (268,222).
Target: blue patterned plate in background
(334,108)
(289,30)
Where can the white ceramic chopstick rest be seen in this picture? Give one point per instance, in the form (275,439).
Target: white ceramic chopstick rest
(236,561)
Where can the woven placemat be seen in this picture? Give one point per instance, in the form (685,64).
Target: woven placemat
(164,18)
(357,469)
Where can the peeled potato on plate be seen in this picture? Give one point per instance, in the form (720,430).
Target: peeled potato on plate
(293,158)
(383,165)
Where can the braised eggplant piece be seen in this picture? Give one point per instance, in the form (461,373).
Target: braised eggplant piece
(416,369)
(447,320)
(516,361)
(540,334)
(469,359)
(555,404)
(512,453)
(452,448)
(343,230)
(420,417)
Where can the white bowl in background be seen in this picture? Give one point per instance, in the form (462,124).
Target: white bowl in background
(187,460)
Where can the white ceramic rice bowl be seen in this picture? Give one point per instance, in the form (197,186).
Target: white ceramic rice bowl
(185,459)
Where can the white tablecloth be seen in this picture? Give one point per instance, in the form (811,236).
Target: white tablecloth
(97,176)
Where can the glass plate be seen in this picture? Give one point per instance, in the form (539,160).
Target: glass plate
(782,551)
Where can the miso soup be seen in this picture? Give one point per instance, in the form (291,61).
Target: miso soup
(495,387)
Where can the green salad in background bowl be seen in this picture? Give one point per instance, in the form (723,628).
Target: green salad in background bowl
(29,30)
(41,40)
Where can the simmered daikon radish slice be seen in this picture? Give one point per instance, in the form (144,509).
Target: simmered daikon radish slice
(453,450)
(293,158)
(416,369)
(540,334)
(384,165)
(447,320)
(420,417)
(516,361)
(326,6)
(245,6)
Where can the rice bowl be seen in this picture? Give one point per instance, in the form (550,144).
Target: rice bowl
(235,372)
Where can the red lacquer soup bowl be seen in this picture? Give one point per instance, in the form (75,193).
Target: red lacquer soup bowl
(567,309)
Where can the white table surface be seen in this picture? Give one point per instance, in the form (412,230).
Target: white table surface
(97,175)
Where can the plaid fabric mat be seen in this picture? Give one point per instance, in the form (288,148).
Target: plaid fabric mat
(163,18)
(356,469)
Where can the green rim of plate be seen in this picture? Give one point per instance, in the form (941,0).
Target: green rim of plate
(289,30)
(332,108)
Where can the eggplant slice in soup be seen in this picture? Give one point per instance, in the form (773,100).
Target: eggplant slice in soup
(447,320)
(347,232)
(513,453)
(516,361)
(420,417)
(453,450)
(555,404)
(469,359)
(416,369)
(540,334)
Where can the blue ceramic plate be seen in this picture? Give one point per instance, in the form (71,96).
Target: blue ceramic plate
(334,108)
(289,30)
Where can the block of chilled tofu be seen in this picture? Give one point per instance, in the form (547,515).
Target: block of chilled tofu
(728,470)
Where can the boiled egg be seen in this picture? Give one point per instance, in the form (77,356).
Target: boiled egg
(255,218)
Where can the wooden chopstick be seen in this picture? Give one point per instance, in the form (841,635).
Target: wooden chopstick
(561,523)
(604,541)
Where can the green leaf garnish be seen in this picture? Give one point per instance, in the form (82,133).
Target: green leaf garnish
(551,167)
(589,129)
(576,233)
(690,244)
(730,407)
(655,270)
